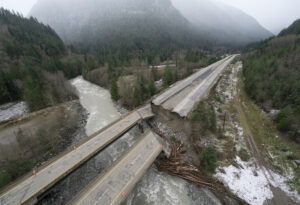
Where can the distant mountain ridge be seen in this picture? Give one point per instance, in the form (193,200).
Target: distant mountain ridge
(114,26)
(104,15)
(292,29)
(110,26)
(224,24)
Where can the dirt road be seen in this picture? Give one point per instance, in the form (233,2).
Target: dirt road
(280,197)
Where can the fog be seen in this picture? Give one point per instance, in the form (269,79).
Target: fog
(20,6)
(219,17)
(272,14)
(84,22)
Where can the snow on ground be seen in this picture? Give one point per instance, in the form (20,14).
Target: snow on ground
(280,182)
(246,182)
(227,87)
(10,110)
(251,183)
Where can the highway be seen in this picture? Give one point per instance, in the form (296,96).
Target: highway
(28,189)
(177,87)
(182,96)
(187,104)
(117,182)
(112,187)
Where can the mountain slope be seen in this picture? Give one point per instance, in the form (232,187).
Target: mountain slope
(150,27)
(292,29)
(31,66)
(110,26)
(272,79)
(224,24)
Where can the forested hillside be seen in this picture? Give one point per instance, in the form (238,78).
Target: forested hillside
(34,63)
(272,79)
(121,30)
(292,29)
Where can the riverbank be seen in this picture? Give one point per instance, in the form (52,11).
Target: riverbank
(30,140)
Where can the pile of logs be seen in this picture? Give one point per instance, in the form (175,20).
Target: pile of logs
(177,167)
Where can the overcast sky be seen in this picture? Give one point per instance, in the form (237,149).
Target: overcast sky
(272,14)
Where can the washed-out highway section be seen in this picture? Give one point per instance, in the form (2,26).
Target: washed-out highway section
(28,189)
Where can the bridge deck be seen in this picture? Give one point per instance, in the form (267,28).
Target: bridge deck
(113,186)
(34,185)
(182,96)
(187,104)
(177,87)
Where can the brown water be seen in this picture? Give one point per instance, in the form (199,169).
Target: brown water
(97,102)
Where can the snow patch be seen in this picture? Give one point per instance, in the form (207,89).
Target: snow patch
(280,182)
(247,182)
(252,184)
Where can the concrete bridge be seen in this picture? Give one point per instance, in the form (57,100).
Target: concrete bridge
(117,182)
(28,190)
(113,185)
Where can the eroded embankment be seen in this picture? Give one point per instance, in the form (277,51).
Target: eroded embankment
(184,162)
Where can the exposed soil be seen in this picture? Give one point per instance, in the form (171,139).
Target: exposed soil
(174,130)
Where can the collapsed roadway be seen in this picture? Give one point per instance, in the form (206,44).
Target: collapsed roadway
(112,186)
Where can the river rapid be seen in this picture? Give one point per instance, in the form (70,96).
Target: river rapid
(155,188)
(98,104)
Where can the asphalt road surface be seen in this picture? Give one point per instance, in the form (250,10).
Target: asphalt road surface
(182,96)
(177,87)
(187,104)
(113,186)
